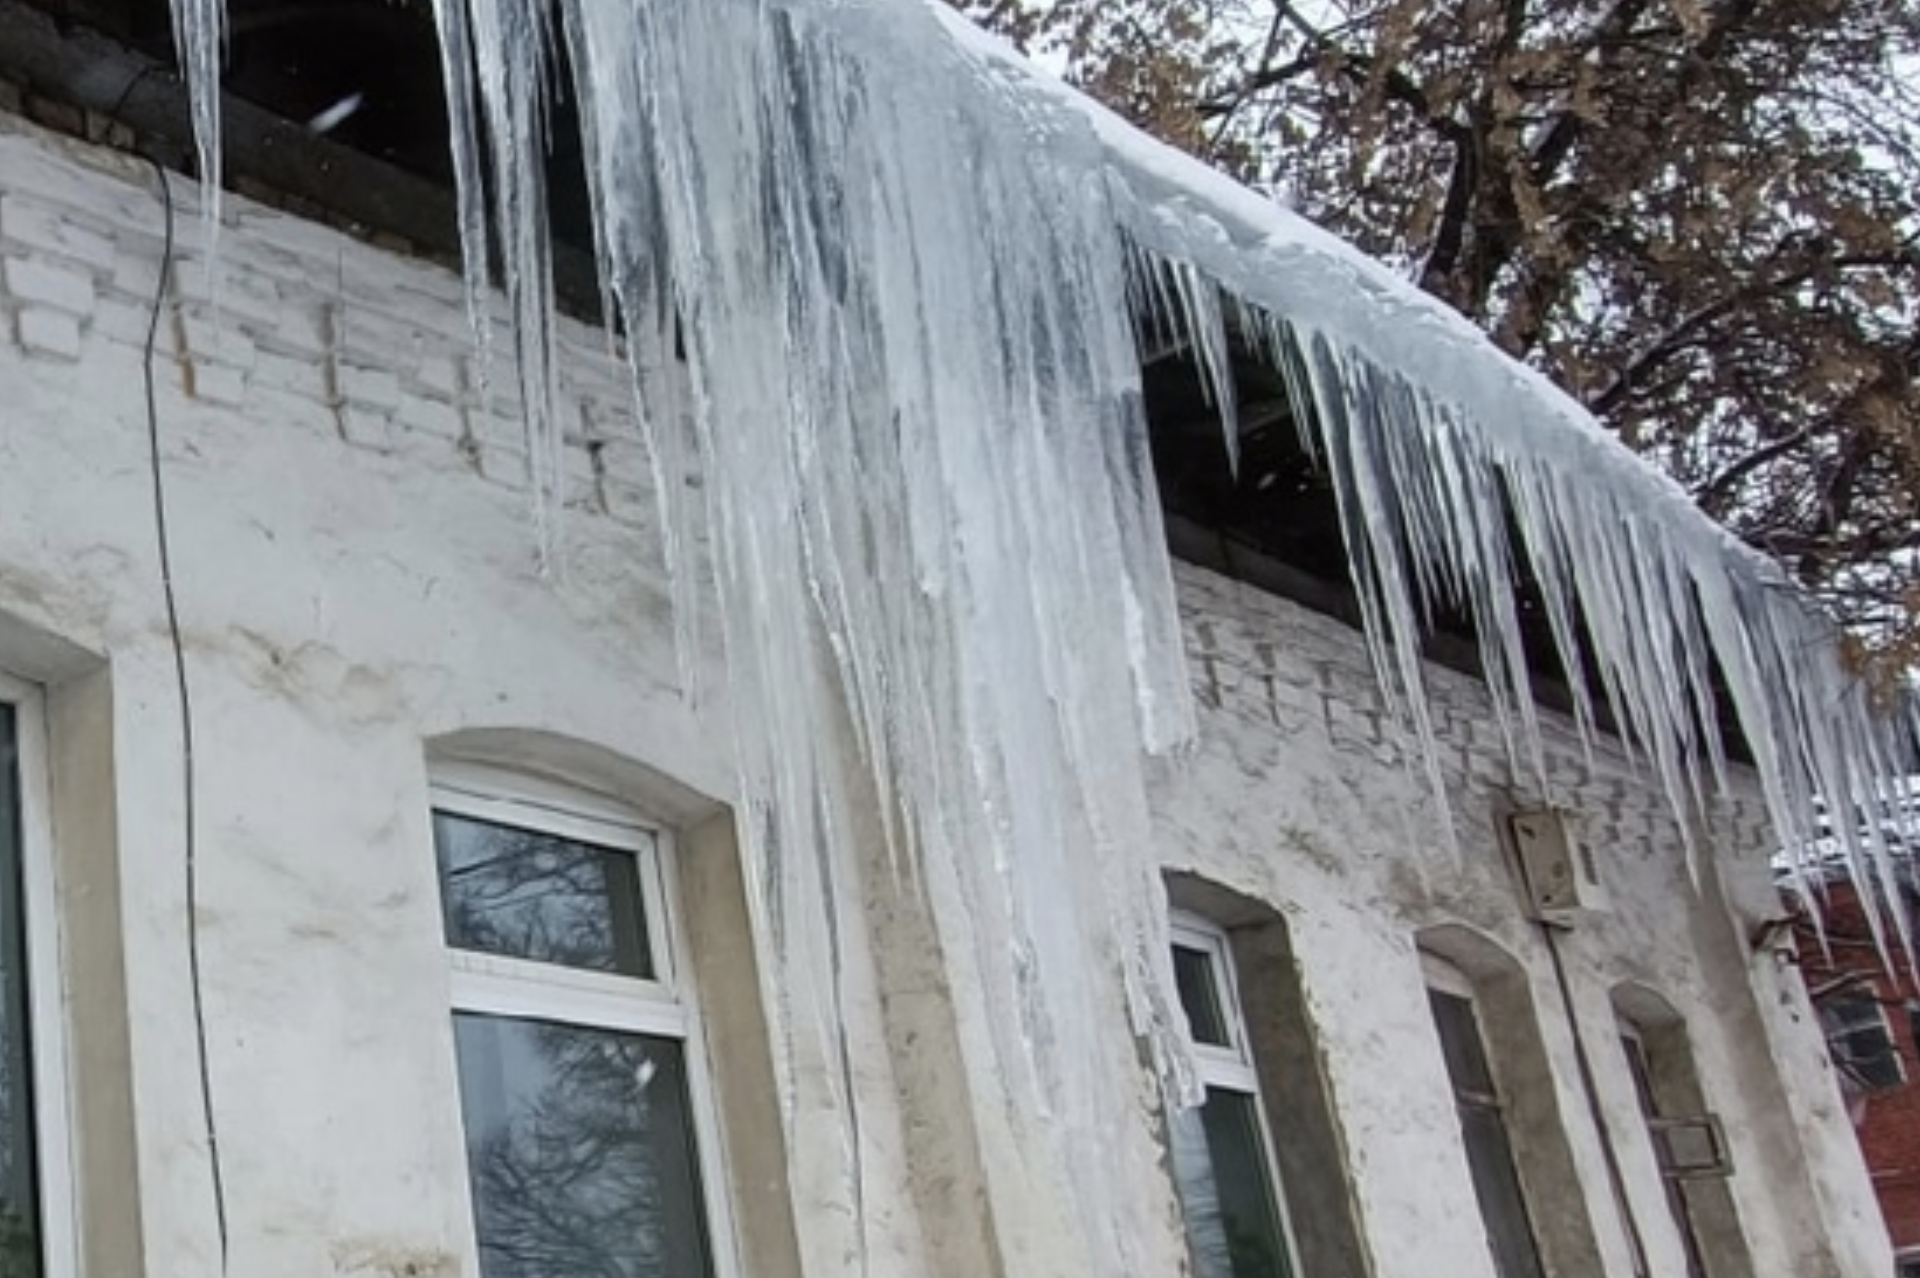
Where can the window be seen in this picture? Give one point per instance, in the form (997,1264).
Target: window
(1483,1123)
(37,1235)
(1633,1043)
(1861,1041)
(1688,1146)
(1223,1164)
(19,1159)
(575,1037)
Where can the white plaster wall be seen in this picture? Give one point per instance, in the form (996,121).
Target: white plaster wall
(1299,796)
(357,577)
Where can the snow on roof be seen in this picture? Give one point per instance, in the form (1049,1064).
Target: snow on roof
(1285,263)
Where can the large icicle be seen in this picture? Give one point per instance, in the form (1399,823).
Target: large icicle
(934,531)
(903,268)
(495,60)
(199,37)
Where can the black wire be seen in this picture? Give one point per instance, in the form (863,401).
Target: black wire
(188,787)
(133,82)
(1616,1176)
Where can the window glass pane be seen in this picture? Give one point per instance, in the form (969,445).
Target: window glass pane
(1642,1075)
(580,1148)
(19,1196)
(1495,1184)
(1460,1043)
(534,895)
(1642,1070)
(1872,1054)
(1200,995)
(1850,1012)
(1861,1041)
(1483,1131)
(1227,1191)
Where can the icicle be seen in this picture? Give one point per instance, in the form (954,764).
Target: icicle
(470,191)
(199,40)
(622,168)
(1424,476)
(494,58)
(924,469)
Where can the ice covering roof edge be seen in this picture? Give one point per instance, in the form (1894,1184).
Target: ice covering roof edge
(1270,255)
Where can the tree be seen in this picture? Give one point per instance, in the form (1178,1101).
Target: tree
(1698,216)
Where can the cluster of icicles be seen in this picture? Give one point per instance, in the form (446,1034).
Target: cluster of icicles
(905,272)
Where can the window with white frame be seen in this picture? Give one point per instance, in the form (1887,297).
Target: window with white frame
(588,1135)
(36,1224)
(1483,1122)
(1223,1162)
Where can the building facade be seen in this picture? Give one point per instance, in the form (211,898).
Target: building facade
(1868,1008)
(472,985)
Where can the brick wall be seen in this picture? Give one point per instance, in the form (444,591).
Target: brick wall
(1838,947)
(299,328)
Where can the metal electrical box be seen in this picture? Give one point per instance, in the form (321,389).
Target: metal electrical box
(1563,880)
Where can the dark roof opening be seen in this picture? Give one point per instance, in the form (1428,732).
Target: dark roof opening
(334,110)
(368,71)
(1274,522)
(300,58)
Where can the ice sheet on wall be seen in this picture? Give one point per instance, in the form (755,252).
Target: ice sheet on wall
(902,268)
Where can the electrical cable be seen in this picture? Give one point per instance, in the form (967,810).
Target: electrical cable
(1616,1177)
(190,814)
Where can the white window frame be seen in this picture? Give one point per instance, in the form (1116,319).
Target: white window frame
(666,1006)
(1231,1068)
(46,985)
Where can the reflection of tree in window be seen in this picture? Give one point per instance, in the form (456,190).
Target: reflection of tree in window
(1222,1165)
(1225,1189)
(535,895)
(581,1152)
(581,1149)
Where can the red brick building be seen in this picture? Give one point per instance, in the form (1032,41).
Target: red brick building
(1872,1016)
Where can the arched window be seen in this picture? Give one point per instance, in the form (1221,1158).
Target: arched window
(1260,1168)
(37,1225)
(1484,1132)
(1536,1210)
(581,1085)
(1689,1149)
(1223,1161)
